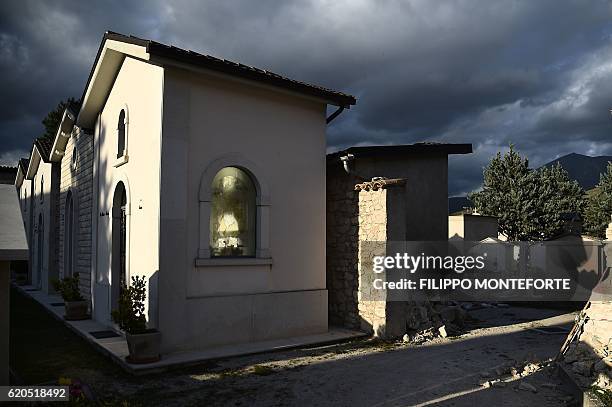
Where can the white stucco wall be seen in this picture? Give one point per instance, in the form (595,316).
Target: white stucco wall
(24,194)
(41,203)
(472,227)
(208,118)
(138,87)
(24,204)
(77,181)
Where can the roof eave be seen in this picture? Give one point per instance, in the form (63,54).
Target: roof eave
(64,130)
(111,54)
(33,163)
(19,177)
(405,149)
(114,47)
(175,56)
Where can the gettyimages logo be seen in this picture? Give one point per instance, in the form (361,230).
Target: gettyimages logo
(404,261)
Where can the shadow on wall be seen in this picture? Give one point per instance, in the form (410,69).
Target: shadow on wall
(342,228)
(153,297)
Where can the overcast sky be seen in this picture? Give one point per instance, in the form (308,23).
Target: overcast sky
(534,73)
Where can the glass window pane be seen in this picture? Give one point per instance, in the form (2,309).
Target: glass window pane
(121,134)
(232,217)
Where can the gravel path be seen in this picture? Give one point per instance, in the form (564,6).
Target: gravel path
(444,372)
(471,370)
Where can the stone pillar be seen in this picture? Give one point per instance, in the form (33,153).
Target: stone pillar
(382,220)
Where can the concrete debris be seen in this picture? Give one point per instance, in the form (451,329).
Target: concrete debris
(527,387)
(531,368)
(515,373)
(486,384)
(603,381)
(423,336)
(442,331)
(406,338)
(498,384)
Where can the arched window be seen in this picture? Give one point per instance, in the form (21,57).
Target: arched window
(75,159)
(121,134)
(233,214)
(70,232)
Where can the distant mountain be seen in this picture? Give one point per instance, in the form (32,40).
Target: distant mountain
(457,203)
(583,168)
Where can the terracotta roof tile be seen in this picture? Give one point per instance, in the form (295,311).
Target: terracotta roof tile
(380,183)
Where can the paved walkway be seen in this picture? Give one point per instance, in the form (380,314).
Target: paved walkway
(444,372)
(116,347)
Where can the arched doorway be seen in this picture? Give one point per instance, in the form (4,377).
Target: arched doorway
(69,236)
(118,256)
(41,245)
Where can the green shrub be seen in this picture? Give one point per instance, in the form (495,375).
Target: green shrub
(130,314)
(68,287)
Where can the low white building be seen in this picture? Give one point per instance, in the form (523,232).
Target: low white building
(24,194)
(73,151)
(204,176)
(41,203)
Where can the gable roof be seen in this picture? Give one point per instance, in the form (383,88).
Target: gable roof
(44,147)
(22,170)
(162,53)
(23,164)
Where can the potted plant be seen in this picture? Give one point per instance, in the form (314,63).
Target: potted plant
(143,343)
(74,304)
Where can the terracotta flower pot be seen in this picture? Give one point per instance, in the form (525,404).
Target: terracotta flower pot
(144,347)
(76,310)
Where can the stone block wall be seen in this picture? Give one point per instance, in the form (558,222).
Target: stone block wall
(79,180)
(342,247)
(364,208)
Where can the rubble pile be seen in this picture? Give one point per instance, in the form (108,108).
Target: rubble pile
(427,321)
(589,358)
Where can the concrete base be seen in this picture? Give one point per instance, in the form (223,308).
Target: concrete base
(117,349)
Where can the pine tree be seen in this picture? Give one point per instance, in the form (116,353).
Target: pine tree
(53,118)
(528,204)
(503,193)
(556,195)
(599,205)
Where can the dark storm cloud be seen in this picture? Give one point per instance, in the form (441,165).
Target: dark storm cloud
(537,74)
